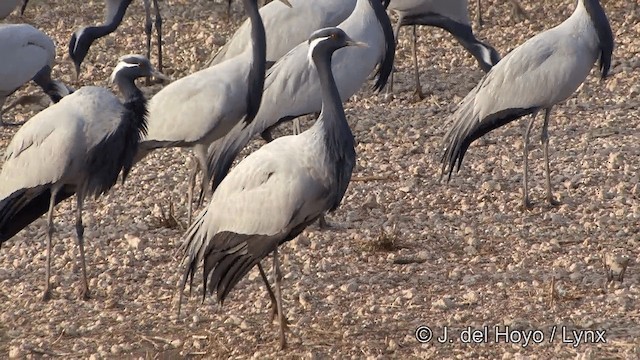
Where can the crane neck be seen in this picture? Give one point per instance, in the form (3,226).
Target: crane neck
(105,29)
(332,118)
(127,87)
(603,30)
(255,78)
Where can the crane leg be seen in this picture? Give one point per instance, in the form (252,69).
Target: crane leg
(545,148)
(23,7)
(479,21)
(46,294)
(296,126)
(84,292)
(418,91)
(191,185)
(229,11)
(158,33)
(396,32)
(147,31)
(205,190)
(272,296)
(277,275)
(526,204)
(518,11)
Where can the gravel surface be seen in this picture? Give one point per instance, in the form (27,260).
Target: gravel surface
(407,250)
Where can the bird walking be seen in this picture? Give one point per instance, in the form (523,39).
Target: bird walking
(292,87)
(542,72)
(26,54)
(276,192)
(200,108)
(77,146)
(449,15)
(82,38)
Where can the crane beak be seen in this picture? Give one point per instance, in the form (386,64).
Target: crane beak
(356,43)
(160,76)
(286,2)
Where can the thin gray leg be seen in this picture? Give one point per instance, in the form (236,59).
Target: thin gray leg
(277,274)
(191,185)
(479,21)
(147,31)
(396,32)
(272,296)
(84,292)
(526,204)
(545,149)
(416,71)
(46,295)
(158,33)
(205,189)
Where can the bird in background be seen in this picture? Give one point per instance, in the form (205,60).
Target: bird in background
(292,87)
(200,108)
(286,27)
(26,54)
(449,15)
(544,71)
(78,146)
(82,38)
(275,192)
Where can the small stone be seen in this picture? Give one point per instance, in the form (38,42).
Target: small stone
(349,287)
(616,265)
(15,352)
(134,242)
(177,343)
(443,304)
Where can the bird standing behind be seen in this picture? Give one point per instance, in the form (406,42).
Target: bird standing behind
(286,28)
(449,15)
(26,54)
(277,191)
(114,11)
(535,76)
(77,146)
(292,87)
(202,107)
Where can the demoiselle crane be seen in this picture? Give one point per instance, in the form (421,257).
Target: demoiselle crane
(537,75)
(26,54)
(276,192)
(82,38)
(286,27)
(202,107)
(292,86)
(7,7)
(449,15)
(77,146)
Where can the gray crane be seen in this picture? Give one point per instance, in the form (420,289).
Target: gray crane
(82,38)
(77,146)
(535,76)
(26,54)
(200,108)
(286,28)
(276,192)
(517,11)
(449,15)
(7,7)
(292,87)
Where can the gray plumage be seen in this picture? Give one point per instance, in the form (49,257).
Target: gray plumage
(535,76)
(449,15)
(274,193)
(7,7)
(200,108)
(286,27)
(26,54)
(292,87)
(77,146)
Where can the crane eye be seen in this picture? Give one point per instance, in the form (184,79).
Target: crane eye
(334,36)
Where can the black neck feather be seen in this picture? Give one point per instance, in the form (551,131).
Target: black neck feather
(255,79)
(605,35)
(386,65)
